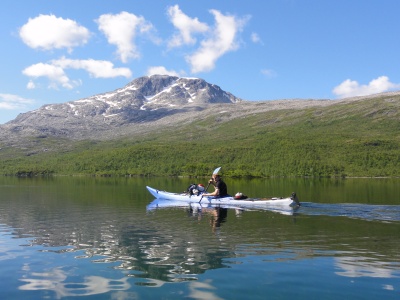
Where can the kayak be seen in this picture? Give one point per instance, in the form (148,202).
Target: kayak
(229,201)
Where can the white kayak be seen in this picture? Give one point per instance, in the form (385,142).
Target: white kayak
(229,201)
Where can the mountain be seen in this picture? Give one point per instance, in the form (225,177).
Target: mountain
(155,103)
(145,99)
(162,125)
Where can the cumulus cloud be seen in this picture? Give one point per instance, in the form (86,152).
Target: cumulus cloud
(223,38)
(47,32)
(96,68)
(160,70)
(121,30)
(351,88)
(13,102)
(186,27)
(55,71)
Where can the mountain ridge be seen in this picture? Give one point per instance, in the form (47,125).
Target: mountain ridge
(142,100)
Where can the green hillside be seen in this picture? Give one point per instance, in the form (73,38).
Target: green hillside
(355,138)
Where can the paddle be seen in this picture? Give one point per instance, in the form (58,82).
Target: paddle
(214,173)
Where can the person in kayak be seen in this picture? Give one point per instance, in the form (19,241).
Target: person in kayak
(221,190)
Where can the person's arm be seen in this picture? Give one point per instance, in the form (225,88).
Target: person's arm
(216,191)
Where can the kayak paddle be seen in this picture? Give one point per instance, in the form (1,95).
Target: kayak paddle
(214,173)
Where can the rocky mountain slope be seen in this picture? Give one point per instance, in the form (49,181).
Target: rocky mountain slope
(143,100)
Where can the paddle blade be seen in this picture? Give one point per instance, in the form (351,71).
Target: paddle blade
(216,171)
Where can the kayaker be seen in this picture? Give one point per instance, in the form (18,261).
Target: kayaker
(221,190)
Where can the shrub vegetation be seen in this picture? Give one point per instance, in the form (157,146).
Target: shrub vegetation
(359,138)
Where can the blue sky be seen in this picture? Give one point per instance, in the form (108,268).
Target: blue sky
(65,50)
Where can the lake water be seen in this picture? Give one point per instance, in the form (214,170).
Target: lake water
(94,238)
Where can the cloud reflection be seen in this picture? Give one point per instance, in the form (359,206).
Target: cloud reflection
(202,290)
(56,281)
(362,267)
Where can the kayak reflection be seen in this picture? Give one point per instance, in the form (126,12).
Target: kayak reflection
(217,214)
(195,207)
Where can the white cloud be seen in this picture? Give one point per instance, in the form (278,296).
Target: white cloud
(351,88)
(12,102)
(31,85)
(48,32)
(222,40)
(121,30)
(55,71)
(96,68)
(186,26)
(160,70)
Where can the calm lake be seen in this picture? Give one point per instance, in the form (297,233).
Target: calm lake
(95,238)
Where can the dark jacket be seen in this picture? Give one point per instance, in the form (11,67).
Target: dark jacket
(222,188)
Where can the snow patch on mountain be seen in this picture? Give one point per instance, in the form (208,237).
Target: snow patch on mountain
(143,100)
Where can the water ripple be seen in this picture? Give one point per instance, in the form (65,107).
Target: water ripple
(386,213)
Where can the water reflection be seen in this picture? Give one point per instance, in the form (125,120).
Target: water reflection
(203,290)
(195,207)
(217,215)
(169,247)
(362,266)
(55,280)
(95,243)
